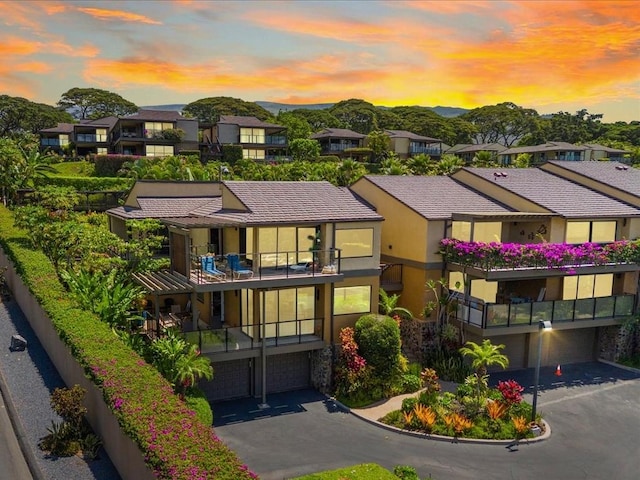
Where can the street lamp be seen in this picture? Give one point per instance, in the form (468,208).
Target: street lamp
(543,326)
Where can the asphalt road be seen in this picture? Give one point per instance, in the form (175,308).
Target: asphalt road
(12,463)
(593,410)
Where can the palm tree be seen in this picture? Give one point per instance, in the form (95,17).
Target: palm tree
(191,367)
(388,305)
(485,355)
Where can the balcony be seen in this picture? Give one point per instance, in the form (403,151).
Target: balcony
(530,314)
(391,277)
(90,138)
(416,149)
(289,267)
(229,339)
(498,261)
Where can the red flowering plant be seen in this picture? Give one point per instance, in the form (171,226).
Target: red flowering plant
(350,370)
(511,392)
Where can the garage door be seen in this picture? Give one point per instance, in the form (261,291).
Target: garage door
(231,379)
(569,346)
(290,371)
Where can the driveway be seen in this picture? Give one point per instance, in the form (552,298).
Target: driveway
(593,410)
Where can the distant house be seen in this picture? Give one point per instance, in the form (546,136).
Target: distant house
(93,136)
(58,138)
(259,140)
(407,144)
(600,152)
(545,152)
(467,151)
(337,141)
(154,133)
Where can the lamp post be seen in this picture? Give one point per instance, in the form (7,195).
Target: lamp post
(543,326)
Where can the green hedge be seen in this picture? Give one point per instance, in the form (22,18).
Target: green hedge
(231,153)
(175,444)
(83,184)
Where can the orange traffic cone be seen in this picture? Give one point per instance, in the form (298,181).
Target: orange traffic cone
(558,371)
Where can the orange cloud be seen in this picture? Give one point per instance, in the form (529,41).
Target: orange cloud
(447,8)
(22,14)
(19,47)
(121,15)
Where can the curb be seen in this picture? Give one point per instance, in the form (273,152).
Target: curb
(442,438)
(618,365)
(19,430)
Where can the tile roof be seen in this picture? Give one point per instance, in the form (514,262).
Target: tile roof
(614,174)
(296,202)
(556,194)
(99,122)
(60,128)
(157,115)
(602,148)
(338,133)
(545,147)
(436,198)
(167,207)
(410,136)
(481,147)
(243,121)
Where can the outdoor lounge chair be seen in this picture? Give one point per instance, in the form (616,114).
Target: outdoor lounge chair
(209,269)
(233,260)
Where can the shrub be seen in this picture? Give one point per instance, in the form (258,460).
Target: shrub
(408,404)
(410,383)
(231,153)
(405,472)
(511,391)
(197,401)
(378,339)
(328,158)
(110,165)
(84,184)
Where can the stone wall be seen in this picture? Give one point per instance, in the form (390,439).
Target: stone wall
(418,336)
(618,342)
(322,369)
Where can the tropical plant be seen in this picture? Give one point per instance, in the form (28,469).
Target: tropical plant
(378,339)
(388,305)
(511,391)
(496,410)
(350,371)
(425,415)
(484,355)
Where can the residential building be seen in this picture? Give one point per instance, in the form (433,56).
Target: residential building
(545,152)
(154,133)
(407,144)
(259,140)
(467,152)
(601,152)
(269,272)
(505,303)
(93,136)
(338,141)
(57,139)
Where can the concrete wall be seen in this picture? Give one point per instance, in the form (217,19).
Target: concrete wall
(124,453)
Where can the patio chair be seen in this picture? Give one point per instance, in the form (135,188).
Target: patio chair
(233,260)
(209,269)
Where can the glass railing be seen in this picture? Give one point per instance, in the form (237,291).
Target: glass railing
(209,266)
(228,339)
(531,313)
(90,138)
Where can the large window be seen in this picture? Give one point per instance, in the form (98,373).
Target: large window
(280,246)
(253,154)
(154,129)
(159,150)
(251,135)
(355,243)
(587,286)
(598,232)
(287,312)
(349,300)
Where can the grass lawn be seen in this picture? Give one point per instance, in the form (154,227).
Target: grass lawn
(73,169)
(365,471)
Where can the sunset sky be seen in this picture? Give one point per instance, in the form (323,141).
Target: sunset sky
(549,55)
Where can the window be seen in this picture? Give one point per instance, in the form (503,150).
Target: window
(583,232)
(159,150)
(355,243)
(349,300)
(587,286)
(251,135)
(253,154)
(281,246)
(461,231)
(101,151)
(288,311)
(154,129)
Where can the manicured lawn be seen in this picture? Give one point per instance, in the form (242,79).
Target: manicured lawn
(73,169)
(365,471)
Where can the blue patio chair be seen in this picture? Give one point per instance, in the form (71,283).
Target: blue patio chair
(233,260)
(209,269)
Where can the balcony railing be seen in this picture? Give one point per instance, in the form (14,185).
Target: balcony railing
(215,268)
(341,147)
(509,315)
(391,275)
(229,339)
(90,138)
(415,149)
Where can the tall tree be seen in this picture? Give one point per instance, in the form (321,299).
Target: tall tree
(318,119)
(505,123)
(208,110)
(581,127)
(297,127)
(95,103)
(356,115)
(19,115)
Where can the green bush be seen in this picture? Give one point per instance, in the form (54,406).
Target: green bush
(231,153)
(190,153)
(174,443)
(84,184)
(110,165)
(410,383)
(197,401)
(378,339)
(405,472)
(408,404)
(366,471)
(328,158)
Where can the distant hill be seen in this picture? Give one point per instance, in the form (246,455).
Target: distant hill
(275,108)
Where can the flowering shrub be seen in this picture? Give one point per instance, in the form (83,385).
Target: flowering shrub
(537,255)
(511,391)
(350,370)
